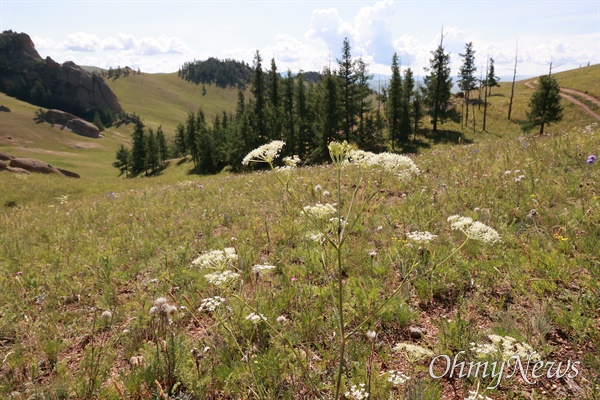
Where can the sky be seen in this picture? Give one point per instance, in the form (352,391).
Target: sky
(159,36)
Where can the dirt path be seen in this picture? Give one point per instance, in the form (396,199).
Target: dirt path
(564,94)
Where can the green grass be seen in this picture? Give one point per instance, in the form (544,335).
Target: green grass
(64,264)
(117,244)
(166,99)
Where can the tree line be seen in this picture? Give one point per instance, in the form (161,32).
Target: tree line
(308,115)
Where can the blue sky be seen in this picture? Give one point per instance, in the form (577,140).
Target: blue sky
(158,36)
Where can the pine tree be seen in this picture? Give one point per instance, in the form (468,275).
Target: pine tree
(438,84)
(288,114)
(417,109)
(124,161)
(492,80)
(260,102)
(98,122)
(180,144)
(302,117)
(163,149)
(274,110)
(408,87)
(138,150)
(347,77)
(328,118)
(152,154)
(394,102)
(363,101)
(466,78)
(544,105)
(191,138)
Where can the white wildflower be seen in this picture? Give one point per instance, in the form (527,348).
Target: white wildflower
(219,278)
(474,229)
(216,258)
(414,351)
(397,378)
(371,335)
(255,318)
(265,153)
(320,211)
(315,237)
(505,347)
(106,315)
(473,395)
(317,188)
(211,303)
(326,193)
(262,269)
(339,151)
(425,237)
(357,392)
(291,161)
(281,319)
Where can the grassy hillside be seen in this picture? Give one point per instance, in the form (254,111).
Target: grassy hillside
(82,269)
(166,99)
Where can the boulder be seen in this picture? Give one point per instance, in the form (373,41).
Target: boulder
(3,164)
(69,174)
(34,165)
(4,108)
(16,170)
(83,128)
(6,156)
(58,117)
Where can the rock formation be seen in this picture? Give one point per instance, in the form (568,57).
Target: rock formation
(25,165)
(24,74)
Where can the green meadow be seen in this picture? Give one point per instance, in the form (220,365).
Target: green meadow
(117,288)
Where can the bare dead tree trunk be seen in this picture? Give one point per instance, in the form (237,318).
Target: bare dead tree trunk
(512,90)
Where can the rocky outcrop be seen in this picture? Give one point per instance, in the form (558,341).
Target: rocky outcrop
(16,170)
(27,165)
(72,123)
(83,128)
(6,156)
(34,165)
(24,74)
(4,109)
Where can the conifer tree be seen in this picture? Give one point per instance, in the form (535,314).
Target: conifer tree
(363,102)
(466,78)
(544,106)
(492,80)
(138,150)
(260,102)
(347,77)
(191,138)
(302,116)
(438,84)
(151,161)
(180,143)
(123,162)
(98,122)
(394,102)
(328,118)
(408,87)
(288,113)
(163,149)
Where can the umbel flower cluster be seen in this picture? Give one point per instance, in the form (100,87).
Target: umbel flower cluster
(474,229)
(505,347)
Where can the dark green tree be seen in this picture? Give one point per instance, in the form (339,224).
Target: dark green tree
(328,116)
(438,85)
(138,150)
(191,138)
(303,117)
(288,114)
(124,161)
(347,76)
(408,88)
(98,121)
(394,102)
(163,148)
(467,80)
(363,100)
(152,154)
(492,80)
(180,143)
(544,106)
(258,90)
(274,109)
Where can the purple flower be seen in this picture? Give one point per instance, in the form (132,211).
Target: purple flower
(591,159)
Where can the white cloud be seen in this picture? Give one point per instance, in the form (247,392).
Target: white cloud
(329,27)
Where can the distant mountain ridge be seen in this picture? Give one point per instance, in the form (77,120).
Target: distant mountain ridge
(46,83)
